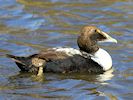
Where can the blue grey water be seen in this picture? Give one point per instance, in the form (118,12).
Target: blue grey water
(28,26)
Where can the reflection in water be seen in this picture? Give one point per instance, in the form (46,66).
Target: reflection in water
(108,75)
(56,83)
(26,26)
(85,76)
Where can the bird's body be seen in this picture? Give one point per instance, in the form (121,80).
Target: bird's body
(88,58)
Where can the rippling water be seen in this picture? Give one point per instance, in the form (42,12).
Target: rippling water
(27,26)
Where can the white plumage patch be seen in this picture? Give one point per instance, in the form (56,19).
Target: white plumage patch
(103,59)
(101,56)
(68,51)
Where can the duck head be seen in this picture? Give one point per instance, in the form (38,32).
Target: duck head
(90,36)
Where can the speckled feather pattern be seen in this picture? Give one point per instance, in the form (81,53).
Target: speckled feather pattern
(89,58)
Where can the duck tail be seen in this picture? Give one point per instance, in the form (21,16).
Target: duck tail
(10,56)
(15,58)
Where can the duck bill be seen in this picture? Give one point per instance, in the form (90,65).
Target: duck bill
(108,38)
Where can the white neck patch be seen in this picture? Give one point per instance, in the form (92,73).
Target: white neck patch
(103,59)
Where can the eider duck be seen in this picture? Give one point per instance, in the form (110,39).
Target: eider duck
(88,58)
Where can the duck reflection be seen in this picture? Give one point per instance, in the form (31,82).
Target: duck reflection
(102,78)
(108,75)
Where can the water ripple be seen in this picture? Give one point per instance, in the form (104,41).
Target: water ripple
(28,26)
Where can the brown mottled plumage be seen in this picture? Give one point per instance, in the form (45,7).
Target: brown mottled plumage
(55,60)
(87,41)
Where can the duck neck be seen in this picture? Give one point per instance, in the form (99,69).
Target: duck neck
(87,46)
(91,49)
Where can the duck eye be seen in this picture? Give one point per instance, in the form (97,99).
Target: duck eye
(95,30)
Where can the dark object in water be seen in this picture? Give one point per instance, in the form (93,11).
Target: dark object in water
(89,58)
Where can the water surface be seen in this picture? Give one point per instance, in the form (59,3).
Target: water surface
(28,26)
